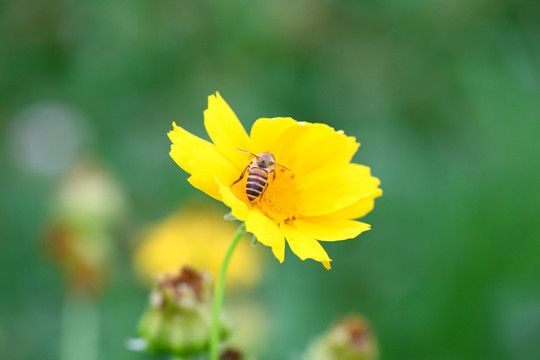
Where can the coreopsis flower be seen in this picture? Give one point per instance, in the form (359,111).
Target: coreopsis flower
(312,195)
(351,338)
(199,238)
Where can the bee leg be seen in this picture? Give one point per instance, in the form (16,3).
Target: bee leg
(241,175)
(273,175)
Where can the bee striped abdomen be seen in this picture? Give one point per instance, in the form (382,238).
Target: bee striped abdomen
(257,181)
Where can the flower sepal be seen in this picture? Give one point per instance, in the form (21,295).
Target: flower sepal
(230,217)
(254,241)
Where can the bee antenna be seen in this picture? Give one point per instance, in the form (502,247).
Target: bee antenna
(247,152)
(286,168)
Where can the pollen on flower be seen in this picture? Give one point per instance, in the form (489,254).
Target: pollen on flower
(280,200)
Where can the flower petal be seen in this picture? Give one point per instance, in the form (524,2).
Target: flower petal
(225,130)
(265,132)
(325,192)
(315,146)
(267,232)
(201,159)
(304,246)
(239,209)
(325,228)
(359,208)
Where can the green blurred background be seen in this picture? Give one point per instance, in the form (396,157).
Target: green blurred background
(443,95)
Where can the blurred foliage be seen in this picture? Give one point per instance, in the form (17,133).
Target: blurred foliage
(444,96)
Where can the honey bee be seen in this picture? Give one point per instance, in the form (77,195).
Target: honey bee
(260,169)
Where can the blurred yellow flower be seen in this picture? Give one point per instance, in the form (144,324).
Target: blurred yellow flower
(199,238)
(315,200)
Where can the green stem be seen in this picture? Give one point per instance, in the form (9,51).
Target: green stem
(220,293)
(80,329)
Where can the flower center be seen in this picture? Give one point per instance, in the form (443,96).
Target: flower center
(280,199)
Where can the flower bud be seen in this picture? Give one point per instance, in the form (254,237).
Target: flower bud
(79,236)
(178,319)
(231,354)
(350,338)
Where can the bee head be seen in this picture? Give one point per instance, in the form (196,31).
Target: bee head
(265,160)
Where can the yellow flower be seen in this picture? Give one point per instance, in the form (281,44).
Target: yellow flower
(316,199)
(199,238)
